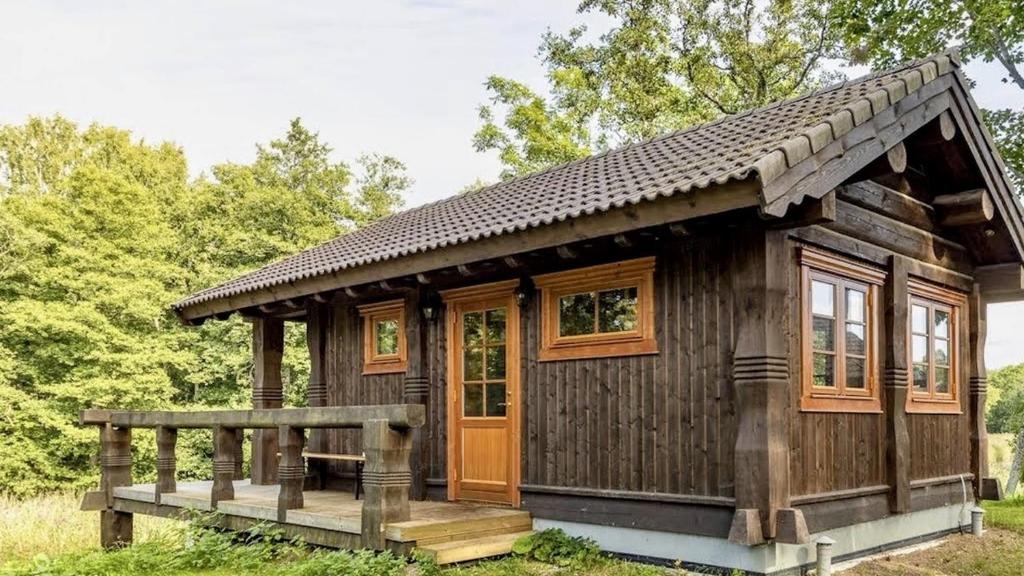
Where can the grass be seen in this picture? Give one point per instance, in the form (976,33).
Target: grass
(1000,456)
(49,536)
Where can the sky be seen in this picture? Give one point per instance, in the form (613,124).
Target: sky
(398,77)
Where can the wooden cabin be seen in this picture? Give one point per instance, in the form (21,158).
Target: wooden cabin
(714,346)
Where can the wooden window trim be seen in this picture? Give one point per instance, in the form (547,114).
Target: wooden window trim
(638,273)
(936,298)
(371,314)
(842,274)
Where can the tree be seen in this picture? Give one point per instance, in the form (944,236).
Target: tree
(1006,415)
(664,65)
(100,234)
(886,32)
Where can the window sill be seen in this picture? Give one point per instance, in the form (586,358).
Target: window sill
(841,405)
(597,350)
(947,407)
(384,368)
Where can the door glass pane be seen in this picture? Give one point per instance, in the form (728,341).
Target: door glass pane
(387,337)
(855,373)
(921,377)
(855,309)
(919,348)
(495,325)
(473,364)
(495,399)
(496,362)
(941,352)
(823,298)
(824,334)
(472,328)
(616,310)
(941,380)
(942,324)
(919,319)
(473,400)
(576,314)
(824,370)
(855,339)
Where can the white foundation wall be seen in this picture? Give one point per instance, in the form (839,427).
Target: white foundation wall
(859,539)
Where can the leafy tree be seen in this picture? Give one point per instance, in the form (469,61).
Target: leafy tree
(664,65)
(1006,414)
(100,233)
(886,32)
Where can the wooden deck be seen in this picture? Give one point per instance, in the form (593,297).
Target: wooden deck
(332,518)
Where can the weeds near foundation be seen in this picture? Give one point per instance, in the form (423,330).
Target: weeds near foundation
(1007,514)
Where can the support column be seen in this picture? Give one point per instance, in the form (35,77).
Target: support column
(290,471)
(761,378)
(223,465)
(116,470)
(417,386)
(978,316)
(166,438)
(896,303)
(386,480)
(316,341)
(267,349)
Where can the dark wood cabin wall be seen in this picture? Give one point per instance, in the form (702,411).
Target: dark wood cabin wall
(661,423)
(832,452)
(346,384)
(829,451)
(437,418)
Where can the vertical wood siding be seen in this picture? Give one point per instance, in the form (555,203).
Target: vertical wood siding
(658,423)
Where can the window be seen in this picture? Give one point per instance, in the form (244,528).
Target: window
(934,319)
(839,334)
(599,311)
(383,337)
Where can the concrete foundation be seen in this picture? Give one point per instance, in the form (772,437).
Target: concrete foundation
(771,559)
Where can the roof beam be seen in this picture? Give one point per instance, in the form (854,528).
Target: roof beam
(966,208)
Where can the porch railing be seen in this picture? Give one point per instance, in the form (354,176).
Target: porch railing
(387,443)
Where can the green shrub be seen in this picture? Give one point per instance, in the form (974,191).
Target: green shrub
(554,546)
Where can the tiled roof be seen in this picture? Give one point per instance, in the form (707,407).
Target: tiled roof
(761,143)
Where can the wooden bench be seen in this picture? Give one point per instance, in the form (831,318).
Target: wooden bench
(359,459)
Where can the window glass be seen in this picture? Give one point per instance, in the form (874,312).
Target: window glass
(824,370)
(495,326)
(933,326)
(387,337)
(855,343)
(496,362)
(921,377)
(941,352)
(941,324)
(473,364)
(616,310)
(495,399)
(824,334)
(472,328)
(919,348)
(855,305)
(473,400)
(855,376)
(941,380)
(576,314)
(919,319)
(823,297)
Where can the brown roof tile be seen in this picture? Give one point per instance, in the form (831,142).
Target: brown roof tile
(763,143)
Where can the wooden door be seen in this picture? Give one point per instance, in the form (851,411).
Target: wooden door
(483,369)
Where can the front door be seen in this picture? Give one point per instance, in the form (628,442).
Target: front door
(482,394)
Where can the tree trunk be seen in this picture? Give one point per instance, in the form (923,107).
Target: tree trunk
(1015,468)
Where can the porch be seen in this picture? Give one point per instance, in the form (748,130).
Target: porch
(383,519)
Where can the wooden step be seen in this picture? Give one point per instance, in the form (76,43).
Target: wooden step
(473,548)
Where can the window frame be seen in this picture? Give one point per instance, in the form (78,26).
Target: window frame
(637,273)
(842,274)
(935,298)
(372,315)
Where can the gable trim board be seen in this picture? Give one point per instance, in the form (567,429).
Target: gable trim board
(772,157)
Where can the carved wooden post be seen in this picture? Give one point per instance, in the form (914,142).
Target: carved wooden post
(761,378)
(223,465)
(977,312)
(417,386)
(386,480)
(116,463)
(895,303)
(290,471)
(166,438)
(316,340)
(267,348)
(239,453)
